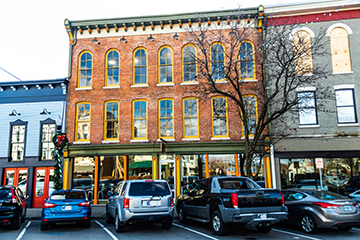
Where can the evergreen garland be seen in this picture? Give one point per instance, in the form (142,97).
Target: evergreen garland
(60,141)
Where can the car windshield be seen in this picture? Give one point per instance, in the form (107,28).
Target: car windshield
(149,188)
(325,195)
(67,195)
(237,183)
(5,194)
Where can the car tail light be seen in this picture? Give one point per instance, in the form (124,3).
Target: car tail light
(325,205)
(234,200)
(356,205)
(49,205)
(126,203)
(282,198)
(84,204)
(172,202)
(13,199)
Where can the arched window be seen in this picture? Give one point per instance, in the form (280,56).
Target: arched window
(303,52)
(219,116)
(247,63)
(190,118)
(139,119)
(140,67)
(83,121)
(166,118)
(111,126)
(340,53)
(85,69)
(218,61)
(251,113)
(165,65)
(112,68)
(189,63)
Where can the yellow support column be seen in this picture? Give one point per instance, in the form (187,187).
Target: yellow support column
(155,166)
(96,176)
(207,174)
(178,175)
(126,168)
(66,174)
(267,170)
(237,165)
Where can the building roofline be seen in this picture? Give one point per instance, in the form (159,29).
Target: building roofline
(34,83)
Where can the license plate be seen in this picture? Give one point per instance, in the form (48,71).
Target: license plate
(66,208)
(347,208)
(151,203)
(262,216)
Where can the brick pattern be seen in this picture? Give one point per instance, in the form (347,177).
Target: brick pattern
(126,94)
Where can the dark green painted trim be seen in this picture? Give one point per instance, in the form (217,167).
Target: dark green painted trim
(154,148)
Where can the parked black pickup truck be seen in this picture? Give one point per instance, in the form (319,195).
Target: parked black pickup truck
(222,200)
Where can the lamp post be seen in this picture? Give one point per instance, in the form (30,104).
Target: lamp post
(60,140)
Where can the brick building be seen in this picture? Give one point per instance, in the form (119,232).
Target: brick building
(133,110)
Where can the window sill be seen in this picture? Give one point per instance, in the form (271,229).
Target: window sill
(248,80)
(249,137)
(83,142)
(220,81)
(343,73)
(189,83)
(139,140)
(348,124)
(110,87)
(110,141)
(220,138)
(165,84)
(167,140)
(84,88)
(191,139)
(140,85)
(309,126)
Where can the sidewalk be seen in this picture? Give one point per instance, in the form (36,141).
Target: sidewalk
(97,212)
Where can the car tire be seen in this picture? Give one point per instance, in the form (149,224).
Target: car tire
(166,224)
(108,217)
(264,228)
(308,224)
(182,214)
(44,226)
(16,223)
(344,228)
(119,226)
(217,224)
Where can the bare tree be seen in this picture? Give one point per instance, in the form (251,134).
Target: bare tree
(278,57)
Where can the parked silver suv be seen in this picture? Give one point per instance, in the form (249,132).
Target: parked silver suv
(140,201)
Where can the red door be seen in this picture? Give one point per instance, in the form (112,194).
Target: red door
(43,185)
(16,177)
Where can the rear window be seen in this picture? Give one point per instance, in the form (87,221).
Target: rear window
(67,195)
(237,183)
(149,188)
(5,194)
(325,195)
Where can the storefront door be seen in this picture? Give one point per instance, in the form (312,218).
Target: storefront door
(16,177)
(43,185)
(167,170)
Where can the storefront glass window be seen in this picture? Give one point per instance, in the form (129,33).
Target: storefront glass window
(223,164)
(39,183)
(193,168)
(111,173)
(140,167)
(22,180)
(336,174)
(10,175)
(83,176)
(297,172)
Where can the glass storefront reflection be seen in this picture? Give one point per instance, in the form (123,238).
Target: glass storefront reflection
(193,168)
(83,176)
(111,173)
(223,164)
(140,167)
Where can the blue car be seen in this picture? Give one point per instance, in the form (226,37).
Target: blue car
(66,206)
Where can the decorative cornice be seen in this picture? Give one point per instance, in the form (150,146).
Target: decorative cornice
(26,85)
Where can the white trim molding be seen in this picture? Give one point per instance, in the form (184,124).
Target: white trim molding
(140,85)
(189,83)
(165,84)
(139,140)
(191,139)
(348,124)
(84,88)
(341,25)
(344,86)
(220,138)
(306,29)
(110,141)
(309,126)
(306,89)
(167,140)
(110,87)
(83,142)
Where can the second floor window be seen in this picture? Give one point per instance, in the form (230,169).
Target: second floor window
(251,115)
(18,142)
(140,119)
(111,120)
(307,108)
(191,121)
(85,70)
(340,53)
(112,68)
(189,64)
(165,65)
(217,62)
(303,53)
(219,115)
(83,122)
(140,66)
(246,60)
(166,118)
(345,106)
(48,130)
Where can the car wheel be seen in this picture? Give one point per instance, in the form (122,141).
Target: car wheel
(108,217)
(44,226)
(344,228)
(182,214)
(166,224)
(217,224)
(16,223)
(119,226)
(264,227)
(308,224)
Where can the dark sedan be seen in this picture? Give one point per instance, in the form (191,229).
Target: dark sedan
(314,208)
(66,206)
(12,206)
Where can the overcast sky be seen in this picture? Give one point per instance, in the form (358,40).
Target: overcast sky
(35,46)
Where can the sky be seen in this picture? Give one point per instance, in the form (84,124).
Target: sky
(35,46)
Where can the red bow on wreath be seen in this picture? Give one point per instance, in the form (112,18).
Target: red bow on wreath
(60,139)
